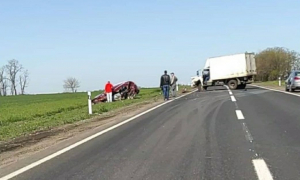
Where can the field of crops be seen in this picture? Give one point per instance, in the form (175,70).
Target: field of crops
(21,115)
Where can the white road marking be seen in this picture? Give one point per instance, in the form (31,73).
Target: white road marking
(248,134)
(233,98)
(262,170)
(239,114)
(30,166)
(277,90)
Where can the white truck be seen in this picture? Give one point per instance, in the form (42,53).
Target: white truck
(236,71)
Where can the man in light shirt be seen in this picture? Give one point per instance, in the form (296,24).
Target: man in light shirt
(173,84)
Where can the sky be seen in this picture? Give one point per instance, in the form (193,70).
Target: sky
(97,40)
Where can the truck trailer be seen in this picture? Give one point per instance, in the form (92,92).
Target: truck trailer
(236,71)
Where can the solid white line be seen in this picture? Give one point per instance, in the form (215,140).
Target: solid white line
(277,90)
(262,170)
(233,98)
(239,114)
(30,166)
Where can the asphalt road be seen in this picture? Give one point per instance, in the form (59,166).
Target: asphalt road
(254,134)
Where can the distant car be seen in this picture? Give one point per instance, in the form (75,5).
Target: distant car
(292,83)
(123,90)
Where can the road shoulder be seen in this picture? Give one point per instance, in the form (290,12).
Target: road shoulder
(276,89)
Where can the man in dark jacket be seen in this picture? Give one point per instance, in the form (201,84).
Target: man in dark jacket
(165,82)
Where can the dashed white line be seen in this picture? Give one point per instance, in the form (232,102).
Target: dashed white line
(233,98)
(248,134)
(239,114)
(262,170)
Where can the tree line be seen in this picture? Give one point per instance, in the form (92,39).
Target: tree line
(12,75)
(276,62)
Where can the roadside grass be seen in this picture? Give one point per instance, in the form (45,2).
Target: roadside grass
(23,115)
(270,83)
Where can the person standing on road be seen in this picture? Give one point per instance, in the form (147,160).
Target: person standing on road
(165,83)
(108,91)
(173,84)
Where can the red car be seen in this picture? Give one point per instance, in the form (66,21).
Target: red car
(124,90)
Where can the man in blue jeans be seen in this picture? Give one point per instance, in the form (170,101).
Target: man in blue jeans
(165,82)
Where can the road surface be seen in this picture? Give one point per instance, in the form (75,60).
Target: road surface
(218,134)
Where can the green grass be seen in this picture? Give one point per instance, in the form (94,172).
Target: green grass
(22,115)
(270,83)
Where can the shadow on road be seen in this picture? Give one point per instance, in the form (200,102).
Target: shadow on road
(222,88)
(251,88)
(215,88)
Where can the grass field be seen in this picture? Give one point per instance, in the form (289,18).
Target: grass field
(269,83)
(272,85)
(21,115)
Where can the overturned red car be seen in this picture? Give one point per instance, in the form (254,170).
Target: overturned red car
(124,90)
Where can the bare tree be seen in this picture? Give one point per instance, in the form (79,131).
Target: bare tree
(12,69)
(1,80)
(4,87)
(71,84)
(12,90)
(23,80)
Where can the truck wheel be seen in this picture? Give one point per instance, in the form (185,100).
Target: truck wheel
(232,84)
(199,88)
